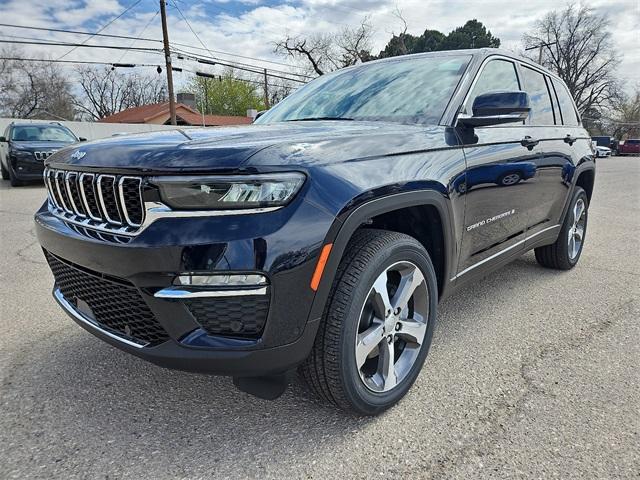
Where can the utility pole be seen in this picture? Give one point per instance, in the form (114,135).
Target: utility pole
(167,57)
(266,91)
(540,48)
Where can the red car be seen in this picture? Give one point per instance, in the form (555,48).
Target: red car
(631,146)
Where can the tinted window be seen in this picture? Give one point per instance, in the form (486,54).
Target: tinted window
(497,75)
(41,133)
(536,87)
(407,90)
(569,115)
(633,142)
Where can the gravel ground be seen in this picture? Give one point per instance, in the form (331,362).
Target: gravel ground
(532,374)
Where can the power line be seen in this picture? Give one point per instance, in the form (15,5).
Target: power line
(81,62)
(140,34)
(208,61)
(81,45)
(214,58)
(103,27)
(147,39)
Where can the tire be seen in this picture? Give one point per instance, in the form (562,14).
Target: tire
(5,173)
(15,182)
(564,254)
(332,370)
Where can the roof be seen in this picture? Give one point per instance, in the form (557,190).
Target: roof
(146,113)
(475,52)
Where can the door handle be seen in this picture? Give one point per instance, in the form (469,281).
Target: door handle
(569,139)
(529,142)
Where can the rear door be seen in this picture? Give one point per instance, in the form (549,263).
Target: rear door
(497,187)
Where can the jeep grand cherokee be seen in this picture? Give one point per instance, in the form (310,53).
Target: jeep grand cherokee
(323,236)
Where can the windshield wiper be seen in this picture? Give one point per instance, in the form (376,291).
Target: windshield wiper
(319,118)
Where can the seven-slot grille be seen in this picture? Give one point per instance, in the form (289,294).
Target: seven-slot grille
(102,201)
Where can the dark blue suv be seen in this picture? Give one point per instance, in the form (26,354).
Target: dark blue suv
(25,147)
(322,237)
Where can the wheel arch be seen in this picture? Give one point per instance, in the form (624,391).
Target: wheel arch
(586,180)
(383,212)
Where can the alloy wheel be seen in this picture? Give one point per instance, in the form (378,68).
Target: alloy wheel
(576,231)
(392,326)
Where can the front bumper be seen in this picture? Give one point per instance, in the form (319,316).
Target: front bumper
(27,168)
(283,245)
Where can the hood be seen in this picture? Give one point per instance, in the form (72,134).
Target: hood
(244,147)
(41,146)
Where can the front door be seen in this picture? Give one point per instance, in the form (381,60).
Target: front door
(498,187)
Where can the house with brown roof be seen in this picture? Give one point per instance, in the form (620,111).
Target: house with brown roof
(158,113)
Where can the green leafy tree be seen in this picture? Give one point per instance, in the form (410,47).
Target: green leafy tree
(472,34)
(226,95)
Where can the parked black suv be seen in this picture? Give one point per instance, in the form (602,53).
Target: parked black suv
(25,147)
(324,235)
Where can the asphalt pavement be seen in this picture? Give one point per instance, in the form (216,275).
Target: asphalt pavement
(533,373)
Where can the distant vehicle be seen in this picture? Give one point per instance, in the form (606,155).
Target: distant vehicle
(25,147)
(603,141)
(602,151)
(629,147)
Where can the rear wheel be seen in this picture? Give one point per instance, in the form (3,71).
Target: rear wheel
(377,327)
(565,252)
(510,178)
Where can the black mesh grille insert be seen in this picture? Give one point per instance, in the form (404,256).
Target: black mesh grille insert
(231,316)
(132,199)
(116,304)
(109,198)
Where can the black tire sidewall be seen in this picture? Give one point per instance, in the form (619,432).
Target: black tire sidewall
(358,394)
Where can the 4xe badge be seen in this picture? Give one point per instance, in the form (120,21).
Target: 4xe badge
(78,154)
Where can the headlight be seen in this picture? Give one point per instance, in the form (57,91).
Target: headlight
(229,192)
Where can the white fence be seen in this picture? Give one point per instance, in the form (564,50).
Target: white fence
(94,130)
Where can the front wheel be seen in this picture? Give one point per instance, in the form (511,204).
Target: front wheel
(565,252)
(377,326)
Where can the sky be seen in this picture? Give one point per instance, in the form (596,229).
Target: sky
(251,27)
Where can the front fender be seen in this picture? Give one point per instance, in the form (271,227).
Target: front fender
(356,215)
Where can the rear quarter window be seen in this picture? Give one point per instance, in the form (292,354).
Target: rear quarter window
(567,108)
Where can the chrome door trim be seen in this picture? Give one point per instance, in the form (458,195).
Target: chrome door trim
(509,248)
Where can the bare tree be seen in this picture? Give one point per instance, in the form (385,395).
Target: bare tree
(106,91)
(34,89)
(327,52)
(578,47)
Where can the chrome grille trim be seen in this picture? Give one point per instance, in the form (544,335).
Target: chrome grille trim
(57,181)
(67,178)
(123,203)
(101,197)
(91,212)
(83,194)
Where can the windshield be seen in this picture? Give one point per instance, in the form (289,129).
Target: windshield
(414,90)
(42,133)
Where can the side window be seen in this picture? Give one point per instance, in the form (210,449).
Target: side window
(567,108)
(497,75)
(536,87)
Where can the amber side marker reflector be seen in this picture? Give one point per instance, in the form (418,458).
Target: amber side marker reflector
(322,261)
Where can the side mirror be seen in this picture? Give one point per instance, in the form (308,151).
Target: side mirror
(496,108)
(82,139)
(3,139)
(259,114)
